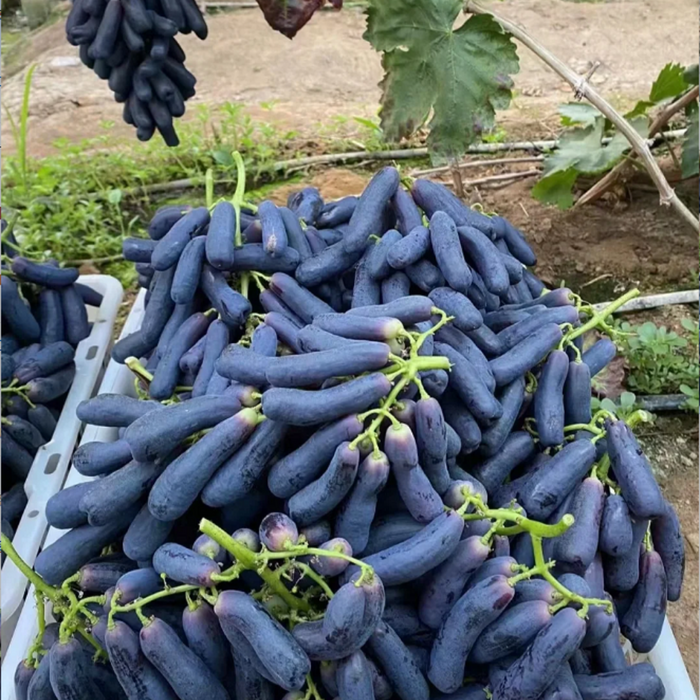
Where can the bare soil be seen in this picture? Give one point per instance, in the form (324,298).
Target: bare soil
(330,71)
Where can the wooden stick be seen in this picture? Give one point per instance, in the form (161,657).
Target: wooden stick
(668,197)
(499,178)
(609,180)
(476,164)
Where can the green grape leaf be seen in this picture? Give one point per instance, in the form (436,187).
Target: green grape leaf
(580,151)
(670,83)
(691,151)
(459,75)
(556,188)
(575,113)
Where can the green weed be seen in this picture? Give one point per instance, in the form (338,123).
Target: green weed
(661,361)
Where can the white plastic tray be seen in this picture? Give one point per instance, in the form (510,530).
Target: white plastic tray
(665,657)
(51,463)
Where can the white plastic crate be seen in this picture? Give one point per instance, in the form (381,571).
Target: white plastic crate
(665,657)
(52,460)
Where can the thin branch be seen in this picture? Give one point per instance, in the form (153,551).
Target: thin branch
(501,177)
(582,88)
(476,164)
(609,180)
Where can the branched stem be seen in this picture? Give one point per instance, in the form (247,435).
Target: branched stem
(251,560)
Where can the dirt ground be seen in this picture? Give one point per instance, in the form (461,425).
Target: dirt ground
(330,71)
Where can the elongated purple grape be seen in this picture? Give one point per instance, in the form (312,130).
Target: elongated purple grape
(622,571)
(170,247)
(431,437)
(206,639)
(99,576)
(670,546)
(525,354)
(70,673)
(66,555)
(410,249)
(466,315)
(356,513)
(419,554)
(138,583)
(313,638)
(135,673)
(500,566)
(279,652)
(315,368)
(216,339)
(183,479)
(547,488)
(549,399)
(578,545)
(369,212)
(633,472)
(186,673)
(528,677)
(145,535)
(390,530)
(344,617)
(577,393)
(494,471)
(22,680)
(303,465)
(511,632)
(407,213)
(161,432)
(512,398)
(642,623)
(422,500)
(398,664)
(448,252)
(119,490)
(461,421)
(408,310)
(320,497)
(300,407)
(608,654)
(600,354)
(237,477)
(433,196)
(63,508)
(447,581)
(638,681)
(181,564)
(477,608)
(395,287)
(354,678)
(615,526)
(535,589)
(518,332)
(467,347)
(470,387)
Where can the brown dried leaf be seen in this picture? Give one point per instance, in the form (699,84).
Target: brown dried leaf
(289,16)
(609,382)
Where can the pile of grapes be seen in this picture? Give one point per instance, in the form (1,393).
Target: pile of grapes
(362,465)
(44,318)
(132,45)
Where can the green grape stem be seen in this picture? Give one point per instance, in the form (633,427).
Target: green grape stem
(598,317)
(251,560)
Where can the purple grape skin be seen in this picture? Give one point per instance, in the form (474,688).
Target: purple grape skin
(278,531)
